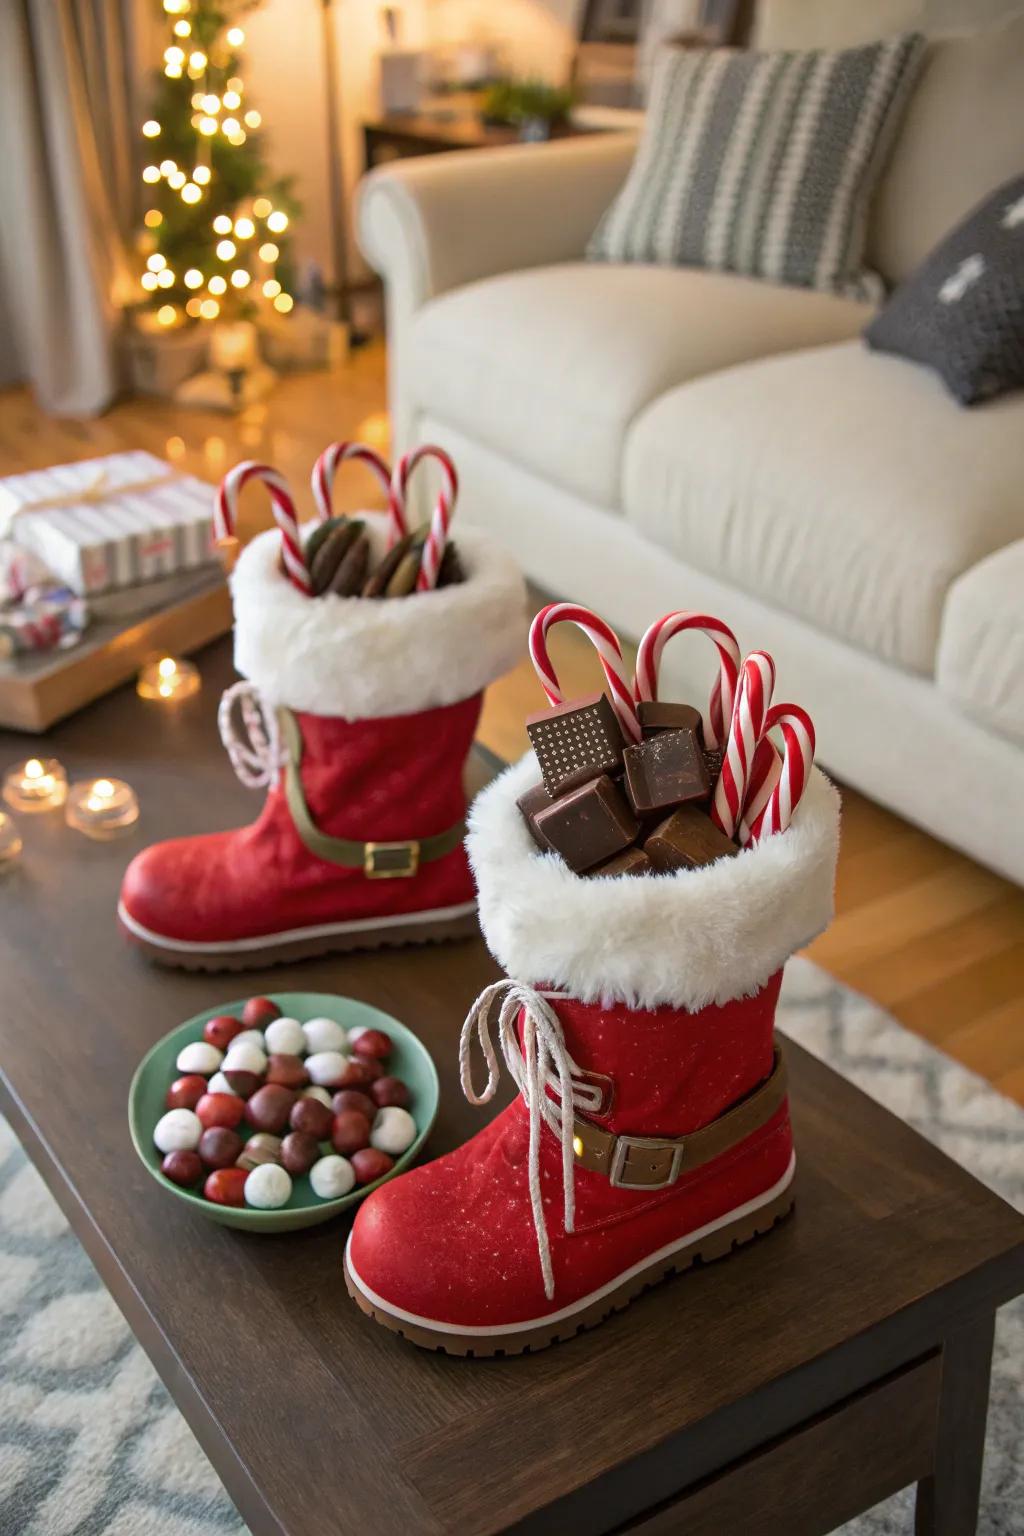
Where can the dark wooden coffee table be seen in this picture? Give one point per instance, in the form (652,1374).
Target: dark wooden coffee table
(783,1391)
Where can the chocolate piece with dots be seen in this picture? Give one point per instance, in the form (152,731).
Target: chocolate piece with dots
(576,742)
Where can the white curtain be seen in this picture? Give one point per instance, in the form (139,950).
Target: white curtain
(66,195)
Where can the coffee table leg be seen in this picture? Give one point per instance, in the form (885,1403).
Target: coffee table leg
(947,1502)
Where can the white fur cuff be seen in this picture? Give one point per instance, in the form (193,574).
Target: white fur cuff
(687,939)
(365,659)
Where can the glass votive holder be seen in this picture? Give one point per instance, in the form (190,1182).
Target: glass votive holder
(10,842)
(168,679)
(40,784)
(102,808)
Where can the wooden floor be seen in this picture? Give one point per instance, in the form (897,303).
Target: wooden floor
(933,937)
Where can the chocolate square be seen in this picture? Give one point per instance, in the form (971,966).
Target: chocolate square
(631,861)
(687,840)
(575,742)
(665,770)
(713,763)
(588,824)
(655,717)
(535,799)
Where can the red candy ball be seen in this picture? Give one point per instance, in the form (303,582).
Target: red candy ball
(258,1012)
(374,1043)
(287,1071)
(269,1108)
(312,1118)
(184,1168)
(226,1186)
(299,1152)
(219,1147)
(220,1031)
(388,1091)
(358,1073)
(369,1164)
(349,1132)
(220,1109)
(353,1098)
(185,1092)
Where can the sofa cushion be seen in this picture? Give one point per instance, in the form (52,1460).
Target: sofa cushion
(843,486)
(980,662)
(549,366)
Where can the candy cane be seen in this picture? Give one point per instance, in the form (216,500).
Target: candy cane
(609,651)
(797,759)
(763,778)
(327,466)
(226,514)
(440,521)
(753,697)
(719,710)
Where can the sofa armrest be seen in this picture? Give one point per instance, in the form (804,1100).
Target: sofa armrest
(439,221)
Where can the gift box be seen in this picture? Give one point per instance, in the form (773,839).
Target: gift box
(103,524)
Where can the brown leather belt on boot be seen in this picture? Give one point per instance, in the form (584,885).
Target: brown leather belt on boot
(642,1162)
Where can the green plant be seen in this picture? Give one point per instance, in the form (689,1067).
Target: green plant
(523,101)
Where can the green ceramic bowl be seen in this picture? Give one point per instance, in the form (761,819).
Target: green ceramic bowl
(146,1103)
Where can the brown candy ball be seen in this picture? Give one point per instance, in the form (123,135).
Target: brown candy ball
(287,1071)
(258,1012)
(184,1168)
(349,1132)
(312,1118)
(369,1164)
(358,1072)
(185,1092)
(260,1148)
(387,1091)
(354,1098)
(269,1108)
(372,1042)
(299,1151)
(243,1083)
(219,1147)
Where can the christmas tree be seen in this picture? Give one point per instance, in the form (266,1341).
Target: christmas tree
(214,239)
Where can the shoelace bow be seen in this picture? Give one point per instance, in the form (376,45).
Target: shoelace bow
(251,736)
(542,1062)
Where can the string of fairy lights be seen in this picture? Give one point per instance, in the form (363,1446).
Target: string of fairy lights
(245,238)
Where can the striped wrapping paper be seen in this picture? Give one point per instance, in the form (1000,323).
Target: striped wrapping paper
(138,520)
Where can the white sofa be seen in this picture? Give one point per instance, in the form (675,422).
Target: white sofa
(647,438)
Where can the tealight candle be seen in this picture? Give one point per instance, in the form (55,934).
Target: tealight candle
(41,784)
(10,842)
(102,808)
(169,678)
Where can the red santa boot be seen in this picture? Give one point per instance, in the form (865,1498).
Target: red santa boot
(360,714)
(652,1126)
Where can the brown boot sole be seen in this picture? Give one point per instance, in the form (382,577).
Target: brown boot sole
(421,930)
(715,1245)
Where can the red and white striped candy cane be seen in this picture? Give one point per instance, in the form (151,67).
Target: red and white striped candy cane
(604,640)
(441,518)
(327,466)
(719,710)
(797,760)
(753,697)
(763,778)
(225,514)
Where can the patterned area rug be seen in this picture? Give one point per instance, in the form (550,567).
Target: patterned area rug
(91,1445)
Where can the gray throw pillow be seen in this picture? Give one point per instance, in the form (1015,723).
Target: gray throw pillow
(962,311)
(763,163)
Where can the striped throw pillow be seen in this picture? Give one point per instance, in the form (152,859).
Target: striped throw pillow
(763,163)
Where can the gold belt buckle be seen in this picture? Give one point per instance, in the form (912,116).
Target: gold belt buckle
(391,861)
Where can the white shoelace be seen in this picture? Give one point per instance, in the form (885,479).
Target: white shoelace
(543,1061)
(250,735)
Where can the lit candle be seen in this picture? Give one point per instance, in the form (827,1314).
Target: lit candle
(102,808)
(10,842)
(41,784)
(167,679)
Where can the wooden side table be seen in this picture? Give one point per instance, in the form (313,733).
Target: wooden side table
(405,134)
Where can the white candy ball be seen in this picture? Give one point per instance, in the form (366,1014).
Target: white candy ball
(268,1187)
(285,1037)
(326,1067)
(324,1035)
(248,1037)
(219,1084)
(245,1058)
(199,1057)
(330,1178)
(177,1131)
(393,1131)
(320,1094)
